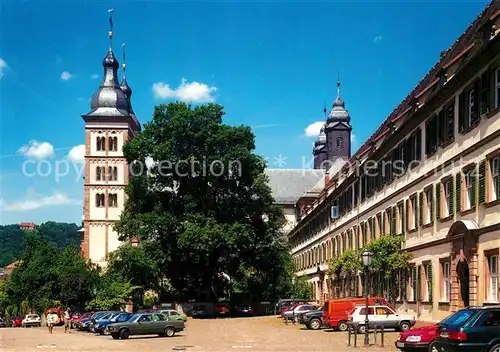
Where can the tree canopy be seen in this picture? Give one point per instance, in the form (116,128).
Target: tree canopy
(204,207)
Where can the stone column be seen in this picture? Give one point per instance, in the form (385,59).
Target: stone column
(454,296)
(473,275)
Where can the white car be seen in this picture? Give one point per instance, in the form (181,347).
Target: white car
(31,320)
(382,316)
(295,312)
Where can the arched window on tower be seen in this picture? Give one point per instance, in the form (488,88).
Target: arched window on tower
(99,200)
(100,173)
(340,143)
(115,173)
(113,144)
(101,144)
(113,200)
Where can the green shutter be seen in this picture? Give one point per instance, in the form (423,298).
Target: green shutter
(458,188)
(432,205)
(419,283)
(429,289)
(482,182)
(438,201)
(365,239)
(407,213)
(393,220)
(452,194)
(473,191)
(403,216)
(421,208)
(356,237)
(372,232)
(405,284)
(462,117)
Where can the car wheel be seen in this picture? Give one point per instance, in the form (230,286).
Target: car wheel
(404,326)
(495,348)
(314,324)
(124,334)
(169,331)
(115,336)
(361,329)
(342,326)
(432,347)
(101,332)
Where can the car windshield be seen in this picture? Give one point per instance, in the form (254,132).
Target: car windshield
(134,317)
(122,318)
(459,318)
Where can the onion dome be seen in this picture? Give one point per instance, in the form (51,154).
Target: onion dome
(338,112)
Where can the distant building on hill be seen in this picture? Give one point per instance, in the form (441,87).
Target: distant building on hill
(30,226)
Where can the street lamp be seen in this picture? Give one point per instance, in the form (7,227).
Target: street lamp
(367,261)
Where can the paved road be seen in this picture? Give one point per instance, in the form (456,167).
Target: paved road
(239,334)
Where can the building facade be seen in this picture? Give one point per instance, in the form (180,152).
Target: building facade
(431,173)
(109,124)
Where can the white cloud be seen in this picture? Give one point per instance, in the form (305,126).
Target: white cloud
(66,75)
(191,92)
(77,154)
(37,150)
(35,201)
(377,39)
(94,76)
(314,128)
(3,65)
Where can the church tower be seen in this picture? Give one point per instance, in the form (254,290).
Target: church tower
(319,150)
(109,124)
(338,131)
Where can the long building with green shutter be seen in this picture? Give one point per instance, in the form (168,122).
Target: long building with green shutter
(430,172)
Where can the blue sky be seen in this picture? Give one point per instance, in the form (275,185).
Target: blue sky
(272,65)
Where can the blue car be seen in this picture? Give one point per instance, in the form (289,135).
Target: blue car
(100,325)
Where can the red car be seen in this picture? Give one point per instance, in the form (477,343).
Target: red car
(419,339)
(76,319)
(221,309)
(285,309)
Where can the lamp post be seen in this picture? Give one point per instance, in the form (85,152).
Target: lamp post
(367,261)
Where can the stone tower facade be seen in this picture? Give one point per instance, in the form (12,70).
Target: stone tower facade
(110,123)
(334,140)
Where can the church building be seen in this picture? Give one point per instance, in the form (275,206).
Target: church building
(109,124)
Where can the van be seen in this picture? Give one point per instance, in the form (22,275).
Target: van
(336,311)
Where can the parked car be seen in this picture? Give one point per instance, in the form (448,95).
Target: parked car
(172,314)
(145,324)
(243,310)
(295,311)
(221,309)
(381,316)
(336,311)
(104,318)
(78,318)
(31,320)
(102,324)
(85,324)
(16,322)
(287,302)
(199,311)
(470,329)
(419,339)
(3,324)
(312,319)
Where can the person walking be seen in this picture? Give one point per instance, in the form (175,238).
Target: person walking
(67,321)
(51,319)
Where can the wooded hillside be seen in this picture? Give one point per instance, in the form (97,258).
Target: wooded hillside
(13,239)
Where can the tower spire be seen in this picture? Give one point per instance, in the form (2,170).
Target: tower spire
(124,65)
(324,109)
(110,33)
(338,83)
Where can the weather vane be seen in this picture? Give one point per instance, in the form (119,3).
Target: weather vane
(124,65)
(110,33)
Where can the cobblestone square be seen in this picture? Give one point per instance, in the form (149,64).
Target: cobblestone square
(238,334)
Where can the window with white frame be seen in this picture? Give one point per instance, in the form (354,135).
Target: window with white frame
(470,112)
(469,189)
(495,178)
(428,199)
(414,210)
(446,292)
(497,88)
(448,203)
(412,295)
(493,278)
(428,282)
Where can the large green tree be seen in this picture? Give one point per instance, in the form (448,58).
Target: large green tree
(205,205)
